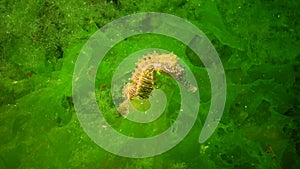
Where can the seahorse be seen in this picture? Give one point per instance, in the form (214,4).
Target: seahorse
(142,82)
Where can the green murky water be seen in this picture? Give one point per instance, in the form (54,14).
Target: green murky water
(258,44)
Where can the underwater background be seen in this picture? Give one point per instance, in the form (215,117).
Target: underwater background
(258,44)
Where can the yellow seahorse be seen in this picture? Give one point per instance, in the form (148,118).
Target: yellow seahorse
(143,78)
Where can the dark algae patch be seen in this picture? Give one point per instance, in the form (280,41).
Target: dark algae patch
(258,43)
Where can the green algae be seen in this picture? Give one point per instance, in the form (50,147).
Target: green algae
(258,43)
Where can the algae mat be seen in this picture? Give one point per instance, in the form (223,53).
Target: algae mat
(258,44)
